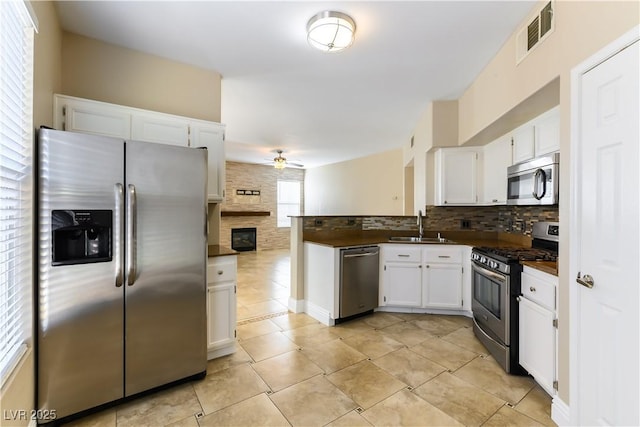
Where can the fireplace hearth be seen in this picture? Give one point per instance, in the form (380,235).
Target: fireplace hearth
(244,239)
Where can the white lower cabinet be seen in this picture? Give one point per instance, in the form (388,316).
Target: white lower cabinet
(442,286)
(221,305)
(537,327)
(404,284)
(421,276)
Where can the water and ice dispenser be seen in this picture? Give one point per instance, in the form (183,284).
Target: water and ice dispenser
(81,236)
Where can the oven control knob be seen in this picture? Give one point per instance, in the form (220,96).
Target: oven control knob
(493,264)
(483,260)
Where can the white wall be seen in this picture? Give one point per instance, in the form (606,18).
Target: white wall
(367,186)
(437,127)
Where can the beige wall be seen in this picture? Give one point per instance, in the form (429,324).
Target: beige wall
(96,70)
(367,186)
(437,127)
(18,392)
(245,176)
(581,29)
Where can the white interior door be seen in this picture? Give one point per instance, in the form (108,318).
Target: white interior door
(607,215)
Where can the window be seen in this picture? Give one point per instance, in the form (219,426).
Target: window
(16,187)
(288,201)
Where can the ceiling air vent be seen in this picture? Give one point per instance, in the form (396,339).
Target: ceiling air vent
(537,28)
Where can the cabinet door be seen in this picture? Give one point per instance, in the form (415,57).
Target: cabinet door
(221,315)
(402,284)
(548,132)
(212,137)
(537,342)
(92,117)
(456,177)
(497,158)
(442,284)
(160,129)
(523,143)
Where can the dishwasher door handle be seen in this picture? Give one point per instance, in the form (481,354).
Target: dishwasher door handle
(360,255)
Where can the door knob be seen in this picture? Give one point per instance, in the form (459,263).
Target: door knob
(586,280)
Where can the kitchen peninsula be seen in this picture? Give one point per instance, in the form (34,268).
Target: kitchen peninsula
(316,242)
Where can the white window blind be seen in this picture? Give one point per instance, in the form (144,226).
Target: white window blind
(288,201)
(16,187)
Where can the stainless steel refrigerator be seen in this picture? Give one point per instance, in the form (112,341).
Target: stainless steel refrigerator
(121,287)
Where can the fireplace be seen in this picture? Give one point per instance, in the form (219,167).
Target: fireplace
(243,239)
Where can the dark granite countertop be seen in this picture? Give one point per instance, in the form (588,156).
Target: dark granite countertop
(217,250)
(348,238)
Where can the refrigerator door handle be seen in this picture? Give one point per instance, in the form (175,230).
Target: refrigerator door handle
(119,194)
(131,234)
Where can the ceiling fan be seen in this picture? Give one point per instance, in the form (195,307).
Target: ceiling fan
(280,162)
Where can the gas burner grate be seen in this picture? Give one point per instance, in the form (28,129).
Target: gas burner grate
(514,254)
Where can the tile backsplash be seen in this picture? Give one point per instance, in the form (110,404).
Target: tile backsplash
(515,219)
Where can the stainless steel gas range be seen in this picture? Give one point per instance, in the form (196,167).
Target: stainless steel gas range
(496,286)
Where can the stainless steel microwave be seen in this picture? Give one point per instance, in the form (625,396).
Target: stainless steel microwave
(534,182)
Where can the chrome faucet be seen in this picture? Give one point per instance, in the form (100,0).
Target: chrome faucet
(420,226)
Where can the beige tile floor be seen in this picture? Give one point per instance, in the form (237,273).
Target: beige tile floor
(381,370)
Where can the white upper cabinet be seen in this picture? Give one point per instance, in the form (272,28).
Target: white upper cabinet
(99,118)
(497,158)
(160,129)
(211,135)
(456,176)
(537,137)
(523,143)
(548,132)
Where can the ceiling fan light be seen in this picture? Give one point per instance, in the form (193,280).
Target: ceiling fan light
(330,31)
(279,162)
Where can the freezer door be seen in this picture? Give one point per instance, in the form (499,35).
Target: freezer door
(79,301)
(166,254)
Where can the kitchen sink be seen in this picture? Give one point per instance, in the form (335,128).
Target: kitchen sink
(411,239)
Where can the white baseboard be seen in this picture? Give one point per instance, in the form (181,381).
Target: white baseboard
(296,305)
(560,413)
(320,314)
(223,351)
(392,309)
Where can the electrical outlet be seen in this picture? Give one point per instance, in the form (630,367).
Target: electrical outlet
(318,223)
(465,223)
(351,221)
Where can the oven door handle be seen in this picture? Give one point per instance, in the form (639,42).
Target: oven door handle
(490,273)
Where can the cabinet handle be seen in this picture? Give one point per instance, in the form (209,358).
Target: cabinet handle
(532,289)
(444,256)
(220,272)
(403,256)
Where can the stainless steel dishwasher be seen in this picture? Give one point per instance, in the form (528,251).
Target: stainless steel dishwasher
(359,274)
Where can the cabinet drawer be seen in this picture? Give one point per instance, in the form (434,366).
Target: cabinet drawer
(221,269)
(538,290)
(395,253)
(442,254)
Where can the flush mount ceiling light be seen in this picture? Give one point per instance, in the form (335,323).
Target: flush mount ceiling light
(330,31)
